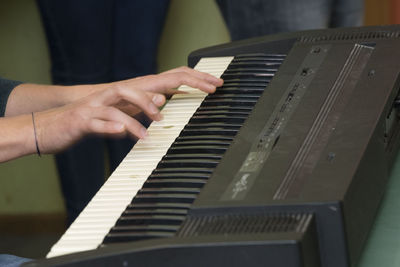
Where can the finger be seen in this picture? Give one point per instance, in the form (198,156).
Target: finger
(163,83)
(106,127)
(170,92)
(132,110)
(194,81)
(138,98)
(128,108)
(201,75)
(131,125)
(113,119)
(158,99)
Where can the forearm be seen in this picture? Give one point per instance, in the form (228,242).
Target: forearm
(65,114)
(27,98)
(16,137)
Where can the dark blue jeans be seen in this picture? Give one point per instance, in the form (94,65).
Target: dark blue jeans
(252,18)
(97,41)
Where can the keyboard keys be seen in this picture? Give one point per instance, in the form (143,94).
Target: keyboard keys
(195,153)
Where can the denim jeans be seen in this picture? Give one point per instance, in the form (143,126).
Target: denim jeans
(252,18)
(97,41)
(11,260)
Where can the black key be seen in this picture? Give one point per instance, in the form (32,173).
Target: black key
(200,142)
(224,112)
(215,149)
(189,163)
(198,183)
(218,118)
(144,228)
(134,211)
(229,102)
(150,219)
(197,132)
(244,64)
(183,170)
(169,190)
(233,96)
(197,156)
(254,70)
(240,83)
(156,174)
(166,198)
(220,108)
(213,126)
(247,80)
(204,137)
(134,236)
(257,91)
(184,206)
(262,77)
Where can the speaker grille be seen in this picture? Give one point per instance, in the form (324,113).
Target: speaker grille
(234,224)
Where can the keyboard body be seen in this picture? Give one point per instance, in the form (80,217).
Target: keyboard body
(301,182)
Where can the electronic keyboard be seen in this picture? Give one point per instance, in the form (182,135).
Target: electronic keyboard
(284,165)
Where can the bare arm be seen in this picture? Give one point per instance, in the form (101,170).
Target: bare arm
(27,98)
(63,119)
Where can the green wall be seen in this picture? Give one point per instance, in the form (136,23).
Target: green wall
(190,25)
(30,184)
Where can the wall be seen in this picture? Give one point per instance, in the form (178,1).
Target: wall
(30,185)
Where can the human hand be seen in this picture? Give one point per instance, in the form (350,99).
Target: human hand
(166,83)
(108,111)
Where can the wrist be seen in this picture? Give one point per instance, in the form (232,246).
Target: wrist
(18,139)
(35,135)
(76,92)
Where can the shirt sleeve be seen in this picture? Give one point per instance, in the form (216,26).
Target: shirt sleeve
(6,86)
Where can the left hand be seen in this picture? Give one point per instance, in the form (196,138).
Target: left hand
(165,84)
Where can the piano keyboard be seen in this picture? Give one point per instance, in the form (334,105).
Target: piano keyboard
(160,207)
(164,173)
(95,221)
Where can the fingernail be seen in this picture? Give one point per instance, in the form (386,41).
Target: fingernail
(215,80)
(153,109)
(218,82)
(158,100)
(143,132)
(211,87)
